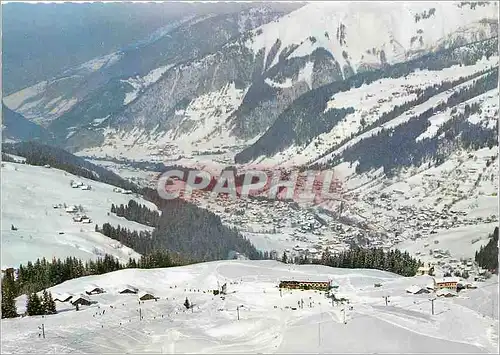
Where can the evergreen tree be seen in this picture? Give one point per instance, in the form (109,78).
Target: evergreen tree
(48,304)
(187,304)
(34,306)
(8,295)
(284,258)
(375,258)
(45,301)
(487,256)
(51,309)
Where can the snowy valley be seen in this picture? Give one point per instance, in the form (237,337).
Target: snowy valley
(399,101)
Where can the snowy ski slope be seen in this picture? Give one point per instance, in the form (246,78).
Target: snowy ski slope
(267,322)
(28,196)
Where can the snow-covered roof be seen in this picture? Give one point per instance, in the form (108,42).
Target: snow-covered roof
(446,279)
(445,291)
(414,289)
(63,296)
(92,287)
(144,293)
(306,279)
(128,287)
(83,297)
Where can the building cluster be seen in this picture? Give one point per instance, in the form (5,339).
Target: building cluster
(85,299)
(403,222)
(79,185)
(75,211)
(465,268)
(442,287)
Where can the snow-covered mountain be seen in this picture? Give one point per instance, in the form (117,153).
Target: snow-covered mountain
(334,116)
(15,127)
(380,92)
(210,82)
(82,88)
(251,80)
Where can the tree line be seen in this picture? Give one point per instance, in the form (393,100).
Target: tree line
(292,122)
(395,261)
(182,227)
(40,305)
(487,256)
(33,277)
(396,147)
(136,212)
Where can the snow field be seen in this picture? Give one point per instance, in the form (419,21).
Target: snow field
(28,196)
(265,325)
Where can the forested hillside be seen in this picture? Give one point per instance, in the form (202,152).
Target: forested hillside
(181,227)
(398,147)
(308,117)
(487,256)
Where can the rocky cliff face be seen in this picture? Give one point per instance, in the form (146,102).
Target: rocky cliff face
(210,84)
(184,40)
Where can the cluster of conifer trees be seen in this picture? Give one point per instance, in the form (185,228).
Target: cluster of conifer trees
(40,305)
(136,212)
(487,256)
(9,294)
(35,304)
(395,261)
(182,227)
(34,277)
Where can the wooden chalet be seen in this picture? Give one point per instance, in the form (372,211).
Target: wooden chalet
(94,290)
(82,300)
(128,289)
(146,296)
(305,285)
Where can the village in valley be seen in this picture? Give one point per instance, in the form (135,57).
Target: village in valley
(139,302)
(232,177)
(421,206)
(240,303)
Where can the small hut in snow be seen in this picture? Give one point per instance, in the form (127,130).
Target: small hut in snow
(82,300)
(446,292)
(146,296)
(71,209)
(94,290)
(128,289)
(417,290)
